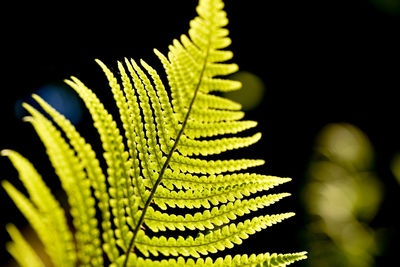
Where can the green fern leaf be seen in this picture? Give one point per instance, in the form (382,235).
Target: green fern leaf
(190,147)
(116,158)
(218,216)
(46,205)
(197,198)
(159,161)
(267,259)
(190,181)
(216,240)
(77,187)
(20,249)
(94,173)
(60,250)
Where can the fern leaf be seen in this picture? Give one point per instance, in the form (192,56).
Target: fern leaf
(197,198)
(137,146)
(42,198)
(150,146)
(188,67)
(163,109)
(285,259)
(265,259)
(218,216)
(185,164)
(197,130)
(164,116)
(20,249)
(176,97)
(96,177)
(153,99)
(74,182)
(205,100)
(115,156)
(189,181)
(59,251)
(216,240)
(216,102)
(159,160)
(215,115)
(130,134)
(38,191)
(147,97)
(189,147)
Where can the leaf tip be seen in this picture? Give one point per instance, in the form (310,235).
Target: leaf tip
(26,106)
(5,184)
(27,119)
(98,61)
(5,152)
(36,97)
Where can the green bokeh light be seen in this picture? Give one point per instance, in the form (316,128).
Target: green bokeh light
(342,196)
(395,166)
(345,144)
(252,92)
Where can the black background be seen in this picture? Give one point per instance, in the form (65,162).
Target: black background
(321,62)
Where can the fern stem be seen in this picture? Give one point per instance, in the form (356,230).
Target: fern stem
(166,163)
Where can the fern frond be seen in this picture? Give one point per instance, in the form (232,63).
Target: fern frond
(189,147)
(215,115)
(159,159)
(20,249)
(165,114)
(138,146)
(197,130)
(130,134)
(148,99)
(44,201)
(37,189)
(189,181)
(59,249)
(115,155)
(94,173)
(149,151)
(205,197)
(205,100)
(185,164)
(158,221)
(162,109)
(74,182)
(217,102)
(216,240)
(265,259)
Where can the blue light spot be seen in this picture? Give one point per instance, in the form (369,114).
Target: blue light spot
(60,97)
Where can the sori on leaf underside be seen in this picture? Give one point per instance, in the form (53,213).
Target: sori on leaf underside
(152,165)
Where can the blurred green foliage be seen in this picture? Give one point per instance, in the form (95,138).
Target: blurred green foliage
(391,7)
(342,196)
(395,166)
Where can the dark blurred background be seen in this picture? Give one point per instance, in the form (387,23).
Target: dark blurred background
(320,62)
